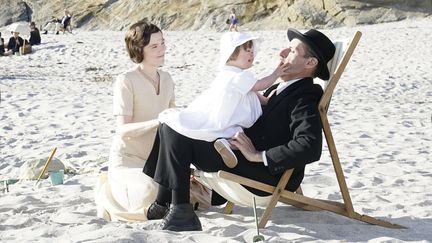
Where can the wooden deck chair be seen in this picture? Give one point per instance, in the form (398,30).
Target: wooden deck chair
(230,186)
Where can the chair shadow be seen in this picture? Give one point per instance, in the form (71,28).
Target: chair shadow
(53,47)
(322,225)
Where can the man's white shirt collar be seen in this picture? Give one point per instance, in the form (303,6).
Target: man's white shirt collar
(284,85)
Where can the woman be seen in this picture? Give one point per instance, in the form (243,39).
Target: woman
(35,38)
(140,94)
(15,42)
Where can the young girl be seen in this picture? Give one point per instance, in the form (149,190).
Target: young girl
(231,103)
(233,20)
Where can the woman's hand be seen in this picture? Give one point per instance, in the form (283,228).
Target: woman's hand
(245,145)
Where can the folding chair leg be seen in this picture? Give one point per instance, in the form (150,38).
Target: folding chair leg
(336,164)
(275,198)
(374,221)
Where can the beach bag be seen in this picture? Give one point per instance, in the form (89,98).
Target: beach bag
(31,169)
(200,196)
(25,49)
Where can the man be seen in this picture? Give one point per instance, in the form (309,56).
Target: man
(287,135)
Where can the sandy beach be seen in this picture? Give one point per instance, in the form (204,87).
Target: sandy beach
(381,118)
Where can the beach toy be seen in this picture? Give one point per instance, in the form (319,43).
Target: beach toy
(6,184)
(31,168)
(256,237)
(45,167)
(56,177)
(5,188)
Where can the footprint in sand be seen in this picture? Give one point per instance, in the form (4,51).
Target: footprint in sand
(76,155)
(407,124)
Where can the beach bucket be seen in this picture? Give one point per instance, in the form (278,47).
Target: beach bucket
(56,177)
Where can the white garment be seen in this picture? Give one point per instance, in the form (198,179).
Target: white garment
(222,110)
(52,26)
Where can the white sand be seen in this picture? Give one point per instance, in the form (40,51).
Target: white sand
(381,116)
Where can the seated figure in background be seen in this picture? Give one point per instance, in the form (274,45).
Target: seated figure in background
(15,42)
(35,38)
(52,24)
(65,22)
(2,46)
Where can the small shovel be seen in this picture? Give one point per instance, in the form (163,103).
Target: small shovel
(257,237)
(45,167)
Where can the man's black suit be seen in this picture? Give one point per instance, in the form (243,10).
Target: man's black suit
(289,130)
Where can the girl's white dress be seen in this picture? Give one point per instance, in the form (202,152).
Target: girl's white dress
(225,108)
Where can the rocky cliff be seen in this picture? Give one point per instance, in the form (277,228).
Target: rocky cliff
(211,14)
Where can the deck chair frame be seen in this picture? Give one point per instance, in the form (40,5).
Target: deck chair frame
(297,198)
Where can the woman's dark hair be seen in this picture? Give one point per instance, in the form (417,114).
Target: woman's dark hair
(137,37)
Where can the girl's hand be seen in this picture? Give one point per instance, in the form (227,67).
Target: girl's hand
(281,69)
(284,53)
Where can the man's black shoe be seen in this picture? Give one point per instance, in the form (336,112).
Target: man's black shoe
(181,217)
(156,211)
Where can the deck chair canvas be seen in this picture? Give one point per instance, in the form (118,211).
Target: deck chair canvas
(230,186)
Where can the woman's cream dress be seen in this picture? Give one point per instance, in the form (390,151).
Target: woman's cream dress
(125,192)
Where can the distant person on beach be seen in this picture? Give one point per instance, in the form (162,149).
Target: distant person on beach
(35,38)
(139,95)
(233,96)
(2,46)
(288,135)
(65,22)
(233,20)
(15,42)
(58,25)
(52,24)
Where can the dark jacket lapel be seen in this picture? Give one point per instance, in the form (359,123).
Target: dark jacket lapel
(276,99)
